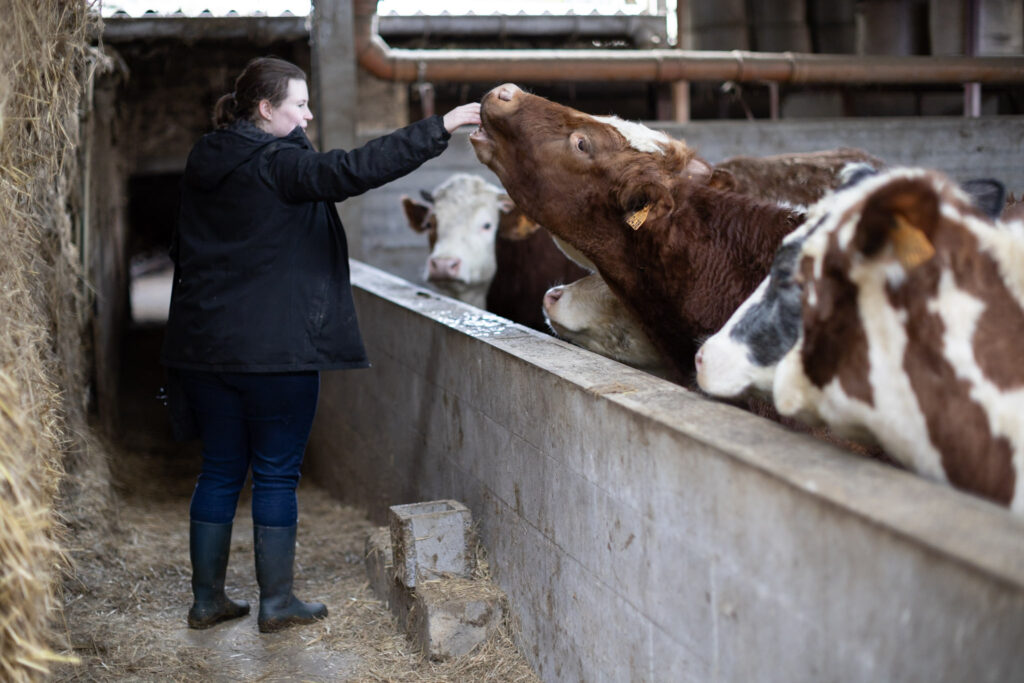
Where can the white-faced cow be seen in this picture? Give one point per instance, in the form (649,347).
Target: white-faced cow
(911,312)
(586,313)
(589,315)
(680,253)
(485,252)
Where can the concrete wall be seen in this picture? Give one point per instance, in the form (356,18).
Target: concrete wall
(964,148)
(646,534)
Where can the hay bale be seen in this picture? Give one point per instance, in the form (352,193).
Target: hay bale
(46,61)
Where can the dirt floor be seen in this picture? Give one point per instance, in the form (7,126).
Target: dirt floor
(128,594)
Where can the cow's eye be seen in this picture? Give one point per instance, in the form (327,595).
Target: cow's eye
(580,143)
(487,226)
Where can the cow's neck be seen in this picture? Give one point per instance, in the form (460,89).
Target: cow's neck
(683,275)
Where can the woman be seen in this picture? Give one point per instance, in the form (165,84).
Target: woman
(261,303)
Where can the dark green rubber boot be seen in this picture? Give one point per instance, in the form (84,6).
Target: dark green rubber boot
(275,558)
(208,546)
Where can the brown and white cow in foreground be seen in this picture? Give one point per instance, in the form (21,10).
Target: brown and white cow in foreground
(908,328)
(485,252)
(680,253)
(589,315)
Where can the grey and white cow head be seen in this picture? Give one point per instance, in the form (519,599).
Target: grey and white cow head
(463,217)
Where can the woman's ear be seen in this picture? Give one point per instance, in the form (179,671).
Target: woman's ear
(265,109)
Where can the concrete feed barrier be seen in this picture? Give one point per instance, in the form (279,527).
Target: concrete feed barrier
(644,533)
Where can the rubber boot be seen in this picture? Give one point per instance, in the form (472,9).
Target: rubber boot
(275,558)
(209,545)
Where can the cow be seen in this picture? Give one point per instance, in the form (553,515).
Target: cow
(795,178)
(586,313)
(589,315)
(484,251)
(910,314)
(740,359)
(679,252)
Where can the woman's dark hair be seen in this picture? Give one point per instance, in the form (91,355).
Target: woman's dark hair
(264,78)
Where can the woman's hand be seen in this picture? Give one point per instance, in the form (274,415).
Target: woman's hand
(463,115)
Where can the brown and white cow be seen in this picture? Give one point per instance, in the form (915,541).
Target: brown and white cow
(910,320)
(680,253)
(741,358)
(589,315)
(485,252)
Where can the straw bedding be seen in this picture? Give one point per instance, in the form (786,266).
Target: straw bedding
(126,603)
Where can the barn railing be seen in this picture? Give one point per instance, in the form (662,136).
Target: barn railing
(668,65)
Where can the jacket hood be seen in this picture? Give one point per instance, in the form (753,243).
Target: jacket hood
(220,152)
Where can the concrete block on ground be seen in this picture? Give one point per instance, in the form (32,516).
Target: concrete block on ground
(446,617)
(431,539)
(451,616)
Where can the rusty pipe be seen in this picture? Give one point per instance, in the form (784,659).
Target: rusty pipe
(666,65)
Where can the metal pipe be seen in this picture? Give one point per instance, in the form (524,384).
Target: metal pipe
(972,91)
(666,65)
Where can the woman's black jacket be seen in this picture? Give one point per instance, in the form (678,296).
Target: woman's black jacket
(261,279)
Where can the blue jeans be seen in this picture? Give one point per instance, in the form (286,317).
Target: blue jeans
(257,419)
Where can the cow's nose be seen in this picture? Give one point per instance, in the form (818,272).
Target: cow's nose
(699,359)
(552,296)
(507,91)
(444,267)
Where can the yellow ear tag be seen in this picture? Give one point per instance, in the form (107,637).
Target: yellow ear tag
(911,245)
(637,219)
(524,227)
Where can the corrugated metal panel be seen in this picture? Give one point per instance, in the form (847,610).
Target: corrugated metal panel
(276,8)
(204,8)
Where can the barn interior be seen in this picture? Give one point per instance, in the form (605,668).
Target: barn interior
(611,524)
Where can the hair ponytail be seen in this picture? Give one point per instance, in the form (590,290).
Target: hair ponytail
(264,78)
(224,111)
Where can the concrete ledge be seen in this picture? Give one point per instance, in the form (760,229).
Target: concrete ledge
(642,532)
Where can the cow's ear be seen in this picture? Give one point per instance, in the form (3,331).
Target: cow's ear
(904,215)
(988,194)
(420,216)
(513,224)
(722,180)
(645,204)
(698,169)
